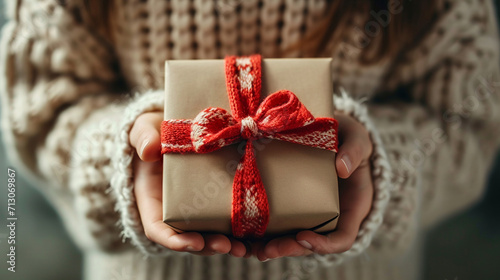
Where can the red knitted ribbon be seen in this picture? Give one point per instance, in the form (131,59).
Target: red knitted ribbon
(280,116)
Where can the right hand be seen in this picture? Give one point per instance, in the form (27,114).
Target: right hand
(147,169)
(355,197)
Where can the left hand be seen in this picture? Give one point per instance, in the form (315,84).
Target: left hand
(147,166)
(355,197)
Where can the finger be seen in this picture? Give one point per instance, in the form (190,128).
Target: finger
(355,145)
(218,243)
(215,244)
(250,247)
(257,250)
(338,241)
(145,136)
(356,195)
(147,190)
(238,249)
(356,192)
(352,153)
(285,246)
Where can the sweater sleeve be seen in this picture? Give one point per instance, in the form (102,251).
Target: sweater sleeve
(443,147)
(60,109)
(439,123)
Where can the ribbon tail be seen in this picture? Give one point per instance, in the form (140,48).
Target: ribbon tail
(250,207)
(321,134)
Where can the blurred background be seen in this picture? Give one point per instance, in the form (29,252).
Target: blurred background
(466,246)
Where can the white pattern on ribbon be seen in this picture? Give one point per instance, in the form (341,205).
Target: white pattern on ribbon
(244,75)
(250,124)
(243,61)
(320,139)
(252,216)
(176,146)
(251,209)
(181,121)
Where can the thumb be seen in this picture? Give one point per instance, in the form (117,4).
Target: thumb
(355,150)
(349,157)
(145,136)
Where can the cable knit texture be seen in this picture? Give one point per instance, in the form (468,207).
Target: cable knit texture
(70,96)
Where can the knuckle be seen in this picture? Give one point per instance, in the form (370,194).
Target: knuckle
(135,133)
(369,147)
(147,232)
(363,148)
(344,247)
(141,120)
(329,246)
(357,150)
(140,126)
(149,229)
(138,133)
(150,118)
(341,244)
(328,249)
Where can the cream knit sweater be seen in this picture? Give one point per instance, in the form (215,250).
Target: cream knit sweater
(70,96)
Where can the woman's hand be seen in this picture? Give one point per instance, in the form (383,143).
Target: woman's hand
(355,195)
(147,164)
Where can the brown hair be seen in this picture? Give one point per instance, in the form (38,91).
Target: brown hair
(100,13)
(405,22)
(399,22)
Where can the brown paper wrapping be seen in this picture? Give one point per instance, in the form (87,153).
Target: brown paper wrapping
(300,181)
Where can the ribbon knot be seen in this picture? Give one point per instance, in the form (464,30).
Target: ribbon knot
(280,116)
(249,128)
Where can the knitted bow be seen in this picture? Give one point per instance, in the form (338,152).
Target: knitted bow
(280,116)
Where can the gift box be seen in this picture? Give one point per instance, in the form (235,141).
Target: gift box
(300,181)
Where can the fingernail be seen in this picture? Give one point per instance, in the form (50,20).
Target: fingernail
(305,244)
(266,260)
(347,163)
(190,248)
(144,145)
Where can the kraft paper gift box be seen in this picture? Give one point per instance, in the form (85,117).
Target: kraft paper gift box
(300,181)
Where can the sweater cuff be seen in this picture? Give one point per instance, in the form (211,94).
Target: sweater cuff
(381,175)
(122,180)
